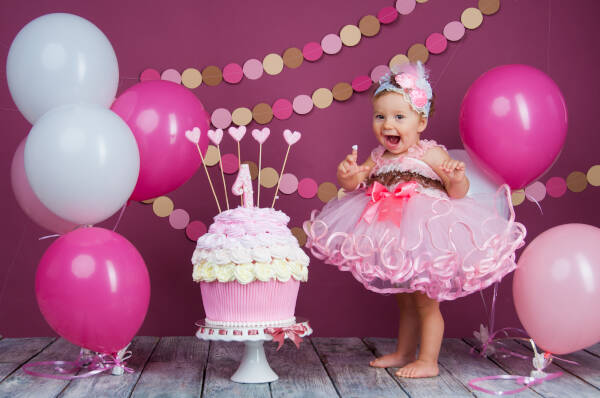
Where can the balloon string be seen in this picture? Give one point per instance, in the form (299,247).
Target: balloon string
(535,201)
(120,216)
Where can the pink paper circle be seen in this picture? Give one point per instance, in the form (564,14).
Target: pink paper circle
(405,7)
(302,104)
(436,43)
(312,51)
(179,219)
(230,163)
(232,73)
(288,183)
(171,75)
(454,30)
(282,109)
(387,15)
(536,192)
(221,118)
(253,69)
(149,74)
(361,83)
(378,72)
(195,229)
(307,188)
(331,43)
(556,187)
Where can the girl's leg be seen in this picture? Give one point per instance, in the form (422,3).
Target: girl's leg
(407,336)
(432,332)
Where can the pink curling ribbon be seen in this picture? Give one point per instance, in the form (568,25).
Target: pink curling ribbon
(95,363)
(293,333)
(537,376)
(388,205)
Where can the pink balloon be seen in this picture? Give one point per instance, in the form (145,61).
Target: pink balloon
(513,123)
(93,288)
(159,113)
(556,288)
(28,200)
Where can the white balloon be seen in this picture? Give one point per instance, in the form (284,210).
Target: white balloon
(82,162)
(60,59)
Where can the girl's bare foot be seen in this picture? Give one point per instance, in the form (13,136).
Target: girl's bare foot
(419,368)
(393,360)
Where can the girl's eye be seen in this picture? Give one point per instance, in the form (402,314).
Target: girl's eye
(399,117)
(379,117)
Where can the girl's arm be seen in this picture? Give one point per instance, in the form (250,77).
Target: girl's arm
(451,171)
(350,174)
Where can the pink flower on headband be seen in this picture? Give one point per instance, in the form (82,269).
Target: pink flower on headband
(418,97)
(406,80)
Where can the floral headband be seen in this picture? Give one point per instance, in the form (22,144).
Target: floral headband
(413,85)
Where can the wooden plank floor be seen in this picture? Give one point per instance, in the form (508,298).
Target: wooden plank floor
(323,367)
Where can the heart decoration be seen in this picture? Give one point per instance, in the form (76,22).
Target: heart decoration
(215,136)
(237,132)
(193,135)
(291,138)
(261,135)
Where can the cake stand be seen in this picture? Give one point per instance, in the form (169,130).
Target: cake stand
(254,367)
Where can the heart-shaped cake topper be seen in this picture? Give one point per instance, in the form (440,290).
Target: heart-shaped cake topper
(291,138)
(215,136)
(261,135)
(237,132)
(193,135)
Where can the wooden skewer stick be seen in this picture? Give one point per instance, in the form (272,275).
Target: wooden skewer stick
(239,165)
(223,177)
(280,174)
(208,176)
(259,168)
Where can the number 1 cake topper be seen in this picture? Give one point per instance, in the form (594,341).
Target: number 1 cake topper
(243,186)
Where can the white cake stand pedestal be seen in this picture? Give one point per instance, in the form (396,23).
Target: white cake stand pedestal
(254,367)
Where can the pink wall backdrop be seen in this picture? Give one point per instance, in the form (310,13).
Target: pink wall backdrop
(558,37)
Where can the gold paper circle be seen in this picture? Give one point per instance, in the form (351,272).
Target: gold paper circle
(422,1)
(262,113)
(148,201)
(212,156)
(576,181)
(398,60)
(327,191)
(518,197)
(269,177)
(418,52)
(471,18)
(212,75)
(162,206)
(253,169)
(292,57)
(342,91)
(273,64)
(593,175)
(241,116)
(369,25)
(341,193)
(191,78)
(489,7)
(299,234)
(350,35)
(322,98)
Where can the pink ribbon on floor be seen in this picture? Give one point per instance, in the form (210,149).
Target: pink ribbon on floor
(95,363)
(293,333)
(388,205)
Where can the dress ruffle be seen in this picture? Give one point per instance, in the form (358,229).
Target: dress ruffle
(446,248)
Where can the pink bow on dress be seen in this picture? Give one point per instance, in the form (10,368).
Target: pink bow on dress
(388,205)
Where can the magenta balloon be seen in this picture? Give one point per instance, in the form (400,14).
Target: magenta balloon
(513,123)
(28,200)
(93,288)
(556,288)
(158,113)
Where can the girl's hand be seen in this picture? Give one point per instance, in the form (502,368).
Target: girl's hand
(454,169)
(348,168)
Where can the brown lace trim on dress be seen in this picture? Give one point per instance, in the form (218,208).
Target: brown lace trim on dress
(395,177)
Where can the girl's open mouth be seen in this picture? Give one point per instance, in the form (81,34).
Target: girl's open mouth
(392,139)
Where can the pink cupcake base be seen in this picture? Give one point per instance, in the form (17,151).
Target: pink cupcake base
(253,302)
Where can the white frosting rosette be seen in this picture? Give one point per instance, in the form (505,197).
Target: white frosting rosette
(244,273)
(226,273)
(264,272)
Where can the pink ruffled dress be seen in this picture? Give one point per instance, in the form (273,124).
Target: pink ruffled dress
(402,233)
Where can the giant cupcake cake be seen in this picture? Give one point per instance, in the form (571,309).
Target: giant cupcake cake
(249,266)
